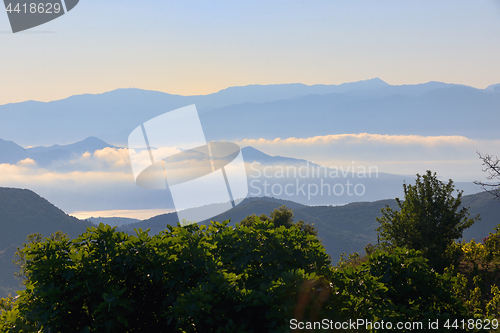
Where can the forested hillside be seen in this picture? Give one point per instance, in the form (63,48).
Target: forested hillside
(23,212)
(269,272)
(342,229)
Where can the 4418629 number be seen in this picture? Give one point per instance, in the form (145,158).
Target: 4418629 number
(484,324)
(34,8)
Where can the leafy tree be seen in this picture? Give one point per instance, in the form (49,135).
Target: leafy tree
(282,216)
(190,279)
(492,244)
(20,257)
(250,219)
(478,275)
(396,286)
(6,304)
(251,278)
(429,219)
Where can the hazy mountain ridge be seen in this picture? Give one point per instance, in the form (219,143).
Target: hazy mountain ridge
(256,205)
(23,212)
(89,144)
(447,111)
(113,221)
(257,110)
(59,158)
(12,153)
(343,229)
(265,171)
(493,87)
(405,89)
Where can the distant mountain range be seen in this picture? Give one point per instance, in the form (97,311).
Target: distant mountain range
(343,229)
(113,221)
(456,110)
(65,129)
(90,144)
(11,153)
(303,174)
(286,110)
(307,183)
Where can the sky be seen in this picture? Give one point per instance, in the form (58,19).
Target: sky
(200,47)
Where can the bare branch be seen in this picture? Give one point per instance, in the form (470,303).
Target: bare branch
(492,166)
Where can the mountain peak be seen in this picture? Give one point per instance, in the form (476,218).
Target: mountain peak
(494,87)
(95,141)
(90,143)
(375,80)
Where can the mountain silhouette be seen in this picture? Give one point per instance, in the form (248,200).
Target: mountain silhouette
(12,153)
(268,111)
(457,110)
(89,144)
(343,229)
(23,212)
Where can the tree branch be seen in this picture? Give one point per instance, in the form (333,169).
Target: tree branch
(492,166)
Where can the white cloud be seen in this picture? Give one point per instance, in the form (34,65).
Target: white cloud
(361,138)
(104,180)
(27,162)
(455,156)
(24,174)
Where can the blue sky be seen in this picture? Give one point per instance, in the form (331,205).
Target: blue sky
(199,47)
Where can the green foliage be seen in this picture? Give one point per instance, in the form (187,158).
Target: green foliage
(370,248)
(6,304)
(250,219)
(281,216)
(493,306)
(428,220)
(20,257)
(395,286)
(254,277)
(479,276)
(492,245)
(349,260)
(192,278)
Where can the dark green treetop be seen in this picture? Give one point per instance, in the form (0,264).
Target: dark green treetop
(282,216)
(429,219)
